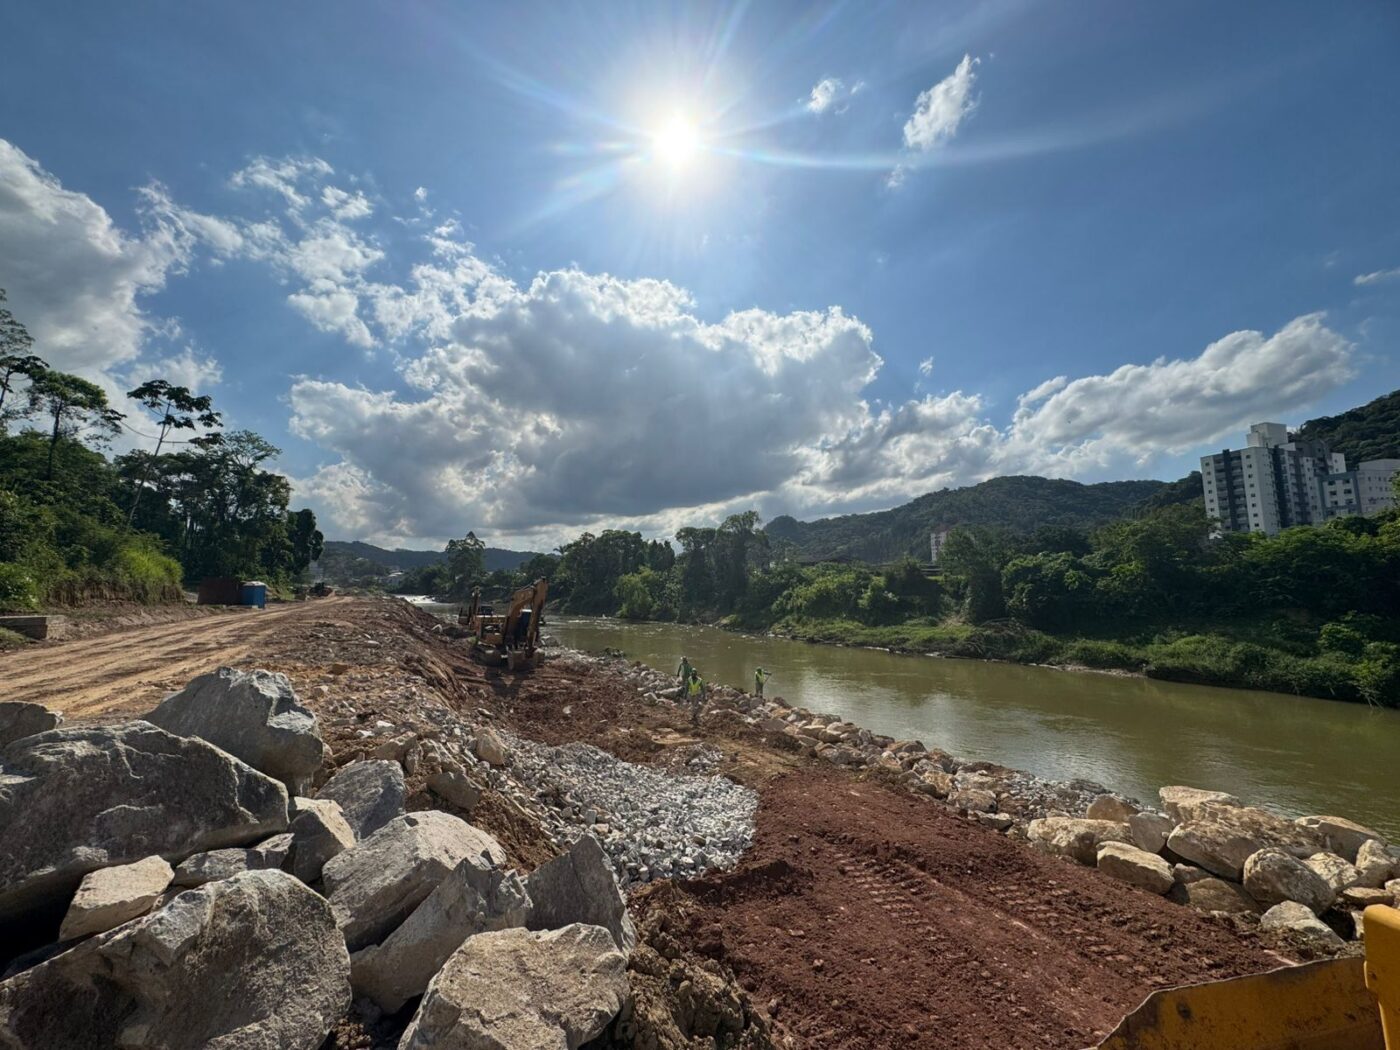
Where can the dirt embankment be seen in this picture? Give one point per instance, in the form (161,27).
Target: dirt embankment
(862,917)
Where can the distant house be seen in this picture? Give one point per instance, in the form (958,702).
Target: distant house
(1276,481)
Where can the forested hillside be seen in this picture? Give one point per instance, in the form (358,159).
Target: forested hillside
(347,561)
(1369,432)
(1020,503)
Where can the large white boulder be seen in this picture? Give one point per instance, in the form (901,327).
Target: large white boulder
(1111,807)
(253,715)
(319,832)
(370,793)
(375,885)
(1135,866)
(1335,871)
(254,962)
(516,990)
(1301,922)
(475,897)
(1341,836)
(1183,803)
(579,886)
(78,799)
(109,897)
(1272,876)
(1076,838)
(1376,863)
(19,719)
(1213,895)
(1220,838)
(1150,830)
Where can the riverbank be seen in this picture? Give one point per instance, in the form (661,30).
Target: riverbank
(863,914)
(1197,658)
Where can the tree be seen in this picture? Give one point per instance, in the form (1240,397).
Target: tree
(74,404)
(304,540)
(466,564)
(173,408)
(15,361)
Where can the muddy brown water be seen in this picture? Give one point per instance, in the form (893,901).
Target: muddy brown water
(1297,755)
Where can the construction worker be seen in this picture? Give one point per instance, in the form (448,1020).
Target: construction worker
(695,694)
(760,676)
(683,672)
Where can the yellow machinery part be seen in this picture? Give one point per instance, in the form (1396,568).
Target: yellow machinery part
(1318,1006)
(1382,926)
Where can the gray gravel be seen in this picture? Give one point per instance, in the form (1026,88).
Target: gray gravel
(653,823)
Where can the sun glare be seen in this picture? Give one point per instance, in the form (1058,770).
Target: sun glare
(676,142)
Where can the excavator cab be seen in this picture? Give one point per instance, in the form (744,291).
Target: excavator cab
(511,638)
(1337,1004)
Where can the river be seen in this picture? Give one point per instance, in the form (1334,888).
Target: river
(1295,754)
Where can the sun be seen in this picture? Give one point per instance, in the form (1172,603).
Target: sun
(677,142)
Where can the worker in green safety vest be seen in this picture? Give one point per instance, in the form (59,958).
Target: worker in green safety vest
(760,676)
(683,671)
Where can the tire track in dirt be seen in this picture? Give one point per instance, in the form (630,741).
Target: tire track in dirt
(129,670)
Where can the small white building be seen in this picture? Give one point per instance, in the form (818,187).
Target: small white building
(936,540)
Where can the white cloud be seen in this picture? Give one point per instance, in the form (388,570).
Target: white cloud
(940,111)
(1376,277)
(420,194)
(830,94)
(76,279)
(529,410)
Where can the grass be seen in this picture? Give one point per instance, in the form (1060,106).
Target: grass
(11,640)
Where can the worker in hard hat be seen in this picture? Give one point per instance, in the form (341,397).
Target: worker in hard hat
(683,672)
(760,676)
(695,694)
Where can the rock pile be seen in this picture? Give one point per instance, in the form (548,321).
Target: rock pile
(653,824)
(173,893)
(1205,849)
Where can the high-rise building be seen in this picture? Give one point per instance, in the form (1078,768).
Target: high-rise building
(1275,482)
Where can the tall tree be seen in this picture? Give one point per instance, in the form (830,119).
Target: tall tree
(16,361)
(172,408)
(74,405)
(466,564)
(304,540)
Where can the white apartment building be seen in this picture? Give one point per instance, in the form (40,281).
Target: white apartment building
(1274,483)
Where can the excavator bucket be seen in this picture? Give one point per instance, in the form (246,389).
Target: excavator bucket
(1337,1004)
(1318,1006)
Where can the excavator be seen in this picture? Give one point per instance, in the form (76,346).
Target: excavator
(1336,1004)
(506,639)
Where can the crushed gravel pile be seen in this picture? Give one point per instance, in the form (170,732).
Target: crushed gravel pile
(654,824)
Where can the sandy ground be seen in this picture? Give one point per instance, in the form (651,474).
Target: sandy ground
(863,917)
(132,668)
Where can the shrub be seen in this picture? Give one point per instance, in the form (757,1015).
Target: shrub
(19,592)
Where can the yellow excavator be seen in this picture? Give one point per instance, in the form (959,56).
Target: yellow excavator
(506,639)
(1336,1004)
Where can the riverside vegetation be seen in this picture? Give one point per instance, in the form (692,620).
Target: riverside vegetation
(1313,610)
(76,525)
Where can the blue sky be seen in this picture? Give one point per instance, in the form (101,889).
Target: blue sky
(534,268)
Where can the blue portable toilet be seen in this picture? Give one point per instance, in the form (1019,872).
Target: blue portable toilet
(253,592)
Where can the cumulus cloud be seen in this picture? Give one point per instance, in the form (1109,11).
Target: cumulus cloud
(531,409)
(1376,277)
(72,275)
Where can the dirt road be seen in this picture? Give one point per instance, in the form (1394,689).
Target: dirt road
(130,670)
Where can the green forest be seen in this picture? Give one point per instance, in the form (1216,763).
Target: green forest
(77,524)
(1314,610)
